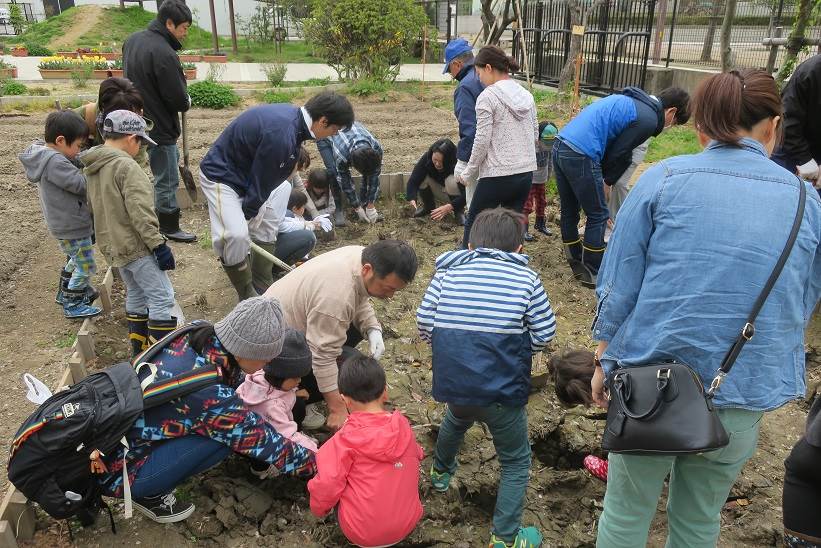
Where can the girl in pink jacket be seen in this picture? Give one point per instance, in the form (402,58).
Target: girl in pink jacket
(271,392)
(369,469)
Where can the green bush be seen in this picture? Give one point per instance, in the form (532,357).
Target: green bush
(316,82)
(364,38)
(38,50)
(275,73)
(13,88)
(16,18)
(39,91)
(367,87)
(209,94)
(272,96)
(81,74)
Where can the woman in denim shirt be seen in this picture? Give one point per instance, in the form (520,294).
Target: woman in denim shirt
(696,240)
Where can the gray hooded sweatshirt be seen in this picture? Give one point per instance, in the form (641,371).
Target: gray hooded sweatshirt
(62,189)
(506,132)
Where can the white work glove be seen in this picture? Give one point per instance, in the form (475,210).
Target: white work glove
(360,212)
(809,171)
(376,343)
(324,222)
(189,101)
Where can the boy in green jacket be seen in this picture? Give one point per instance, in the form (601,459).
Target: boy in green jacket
(127,229)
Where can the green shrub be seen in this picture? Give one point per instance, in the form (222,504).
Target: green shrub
(16,18)
(275,73)
(367,87)
(275,96)
(81,74)
(364,38)
(316,82)
(38,50)
(13,88)
(39,91)
(209,94)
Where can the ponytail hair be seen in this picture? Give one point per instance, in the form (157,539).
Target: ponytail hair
(496,58)
(737,100)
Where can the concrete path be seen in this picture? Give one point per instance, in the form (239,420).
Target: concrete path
(252,72)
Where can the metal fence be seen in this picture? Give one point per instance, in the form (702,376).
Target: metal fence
(615,44)
(444,15)
(6,27)
(690,32)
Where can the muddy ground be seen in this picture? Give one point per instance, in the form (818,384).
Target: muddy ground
(233,509)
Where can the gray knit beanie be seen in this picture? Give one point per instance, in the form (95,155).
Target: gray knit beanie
(253,330)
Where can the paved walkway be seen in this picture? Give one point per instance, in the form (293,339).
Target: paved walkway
(252,72)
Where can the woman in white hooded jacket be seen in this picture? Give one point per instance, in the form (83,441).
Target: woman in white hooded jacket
(504,149)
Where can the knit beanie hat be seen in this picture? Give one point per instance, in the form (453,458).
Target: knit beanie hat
(295,359)
(253,329)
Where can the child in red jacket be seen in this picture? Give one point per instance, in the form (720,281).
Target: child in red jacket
(370,468)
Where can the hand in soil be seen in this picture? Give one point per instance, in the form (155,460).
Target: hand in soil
(440,212)
(336,419)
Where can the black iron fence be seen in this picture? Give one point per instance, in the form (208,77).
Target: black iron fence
(615,42)
(7,12)
(444,15)
(690,32)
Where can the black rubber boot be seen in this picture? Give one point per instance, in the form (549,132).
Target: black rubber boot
(458,212)
(591,259)
(428,203)
(540,226)
(137,332)
(573,253)
(65,276)
(339,215)
(528,236)
(157,329)
(170,227)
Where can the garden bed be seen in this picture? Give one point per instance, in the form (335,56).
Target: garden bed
(8,73)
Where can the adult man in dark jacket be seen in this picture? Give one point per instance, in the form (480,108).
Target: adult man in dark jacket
(150,61)
(597,146)
(459,63)
(255,154)
(801,150)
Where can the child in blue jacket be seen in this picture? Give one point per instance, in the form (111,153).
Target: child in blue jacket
(485,313)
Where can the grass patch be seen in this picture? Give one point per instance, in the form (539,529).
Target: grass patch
(65,341)
(205,239)
(277,96)
(368,87)
(292,51)
(673,142)
(38,105)
(45,31)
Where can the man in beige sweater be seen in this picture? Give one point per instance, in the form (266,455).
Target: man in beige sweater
(327,298)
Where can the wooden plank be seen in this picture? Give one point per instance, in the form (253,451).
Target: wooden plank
(85,341)
(77,367)
(19,514)
(105,290)
(7,539)
(66,380)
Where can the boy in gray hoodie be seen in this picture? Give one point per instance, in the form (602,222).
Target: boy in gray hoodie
(62,189)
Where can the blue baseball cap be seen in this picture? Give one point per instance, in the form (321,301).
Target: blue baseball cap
(454,49)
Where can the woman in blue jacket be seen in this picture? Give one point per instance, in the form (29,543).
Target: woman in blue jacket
(696,240)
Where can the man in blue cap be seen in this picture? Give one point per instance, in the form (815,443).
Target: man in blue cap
(459,63)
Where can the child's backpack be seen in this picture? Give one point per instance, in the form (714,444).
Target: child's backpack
(57,450)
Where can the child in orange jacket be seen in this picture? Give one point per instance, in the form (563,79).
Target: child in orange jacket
(369,470)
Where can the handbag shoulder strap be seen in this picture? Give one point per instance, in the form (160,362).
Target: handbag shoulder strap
(748,330)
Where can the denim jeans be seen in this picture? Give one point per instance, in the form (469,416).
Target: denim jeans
(580,184)
(368,190)
(509,191)
(173,461)
(164,160)
(147,289)
(292,246)
(508,427)
(699,485)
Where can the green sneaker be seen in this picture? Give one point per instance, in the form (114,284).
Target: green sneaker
(527,537)
(439,480)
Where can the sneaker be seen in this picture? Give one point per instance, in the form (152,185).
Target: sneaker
(439,480)
(164,508)
(529,237)
(527,537)
(596,466)
(314,419)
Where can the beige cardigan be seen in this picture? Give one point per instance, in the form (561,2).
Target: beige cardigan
(323,298)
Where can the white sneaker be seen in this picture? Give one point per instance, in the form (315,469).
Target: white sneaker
(372,215)
(314,419)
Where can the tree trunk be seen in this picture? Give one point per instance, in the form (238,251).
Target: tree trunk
(726,33)
(709,37)
(796,40)
(493,25)
(578,16)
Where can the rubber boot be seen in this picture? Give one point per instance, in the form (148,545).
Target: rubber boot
(65,276)
(91,294)
(528,237)
(137,332)
(261,274)
(157,329)
(74,306)
(339,213)
(458,212)
(540,226)
(573,253)
(170,227)
(428,203)
(591,259)
(240,276)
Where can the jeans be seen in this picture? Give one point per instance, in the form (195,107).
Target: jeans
(308,382)
(802,491)
(509,191)
(580,184)
(173,461)
(292,246)
(508,427)
(147,289)
(164,160)
(368,190)
(699,485)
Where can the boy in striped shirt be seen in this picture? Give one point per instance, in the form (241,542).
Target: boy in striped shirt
(486,313)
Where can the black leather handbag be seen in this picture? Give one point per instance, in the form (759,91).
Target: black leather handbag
(662,408)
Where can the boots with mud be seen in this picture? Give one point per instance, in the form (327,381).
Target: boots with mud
(241,279)
(75,306)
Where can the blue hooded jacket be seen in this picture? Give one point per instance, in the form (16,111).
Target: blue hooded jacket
(464,106)
(609,129)
(257,152)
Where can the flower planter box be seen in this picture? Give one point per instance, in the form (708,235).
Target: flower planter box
(215,58)
(102,74)
(19,52)
(8,73)
(108,55)
(190,58)
(65,74)
(68,54)
(190,74)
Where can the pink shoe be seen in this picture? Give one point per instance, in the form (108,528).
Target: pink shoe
(596,466)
